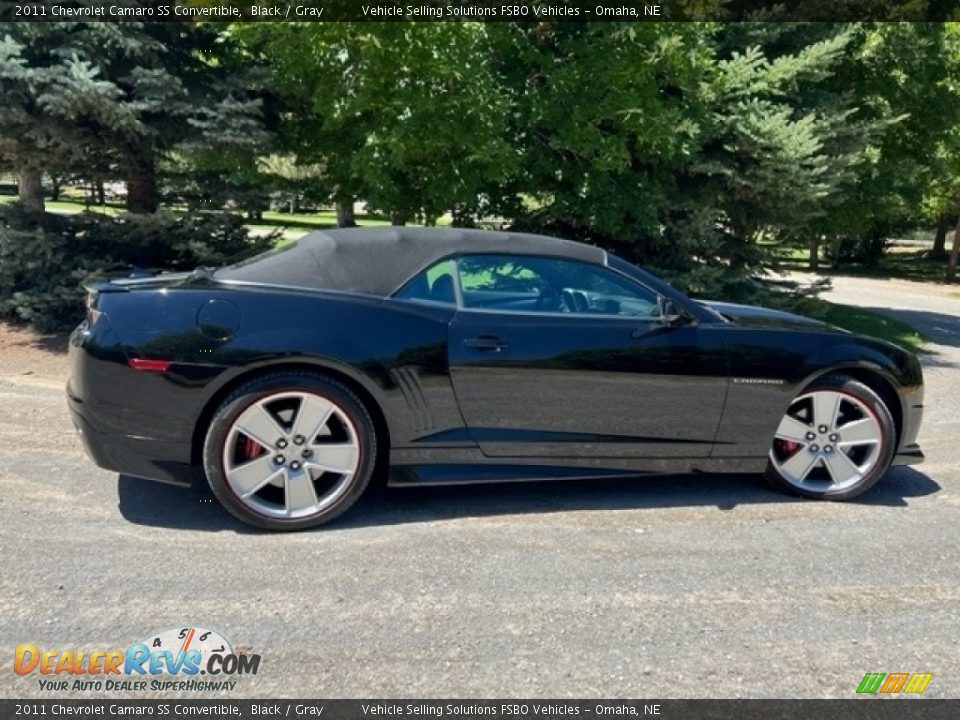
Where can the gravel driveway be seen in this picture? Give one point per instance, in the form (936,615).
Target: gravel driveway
(671,587)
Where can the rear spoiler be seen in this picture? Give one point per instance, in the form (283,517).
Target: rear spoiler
(141,278)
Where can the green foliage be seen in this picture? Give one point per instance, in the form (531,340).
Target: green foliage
(694,148)
(680,146)
(405,116)
(604,118)
(111,99)
(45,259)
(903,77)
(700,150)
(785,146)
(777,149)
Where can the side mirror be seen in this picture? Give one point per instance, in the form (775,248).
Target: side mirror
(668,313)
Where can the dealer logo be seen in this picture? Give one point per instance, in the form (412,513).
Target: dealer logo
(182,652)
(894,683)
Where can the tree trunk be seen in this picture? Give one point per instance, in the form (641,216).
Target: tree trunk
(835,249)
(345,217)
(142,187)
(939,251)
(101,194)
(954,254)
(55,188)
(30,189)
(814,254)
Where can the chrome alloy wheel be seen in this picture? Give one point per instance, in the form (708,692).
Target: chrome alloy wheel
(827,441)
(291,455)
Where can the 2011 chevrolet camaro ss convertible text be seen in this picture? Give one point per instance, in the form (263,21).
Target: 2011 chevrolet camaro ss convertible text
(464,356)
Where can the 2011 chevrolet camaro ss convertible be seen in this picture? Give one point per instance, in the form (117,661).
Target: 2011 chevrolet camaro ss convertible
(464,356)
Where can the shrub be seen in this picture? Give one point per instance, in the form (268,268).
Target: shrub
(45,258)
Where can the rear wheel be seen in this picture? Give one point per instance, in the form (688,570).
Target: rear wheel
(834,442)
(289,451)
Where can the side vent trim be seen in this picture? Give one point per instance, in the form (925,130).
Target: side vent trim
(408,380)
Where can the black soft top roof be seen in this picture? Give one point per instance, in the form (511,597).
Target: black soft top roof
(379,260)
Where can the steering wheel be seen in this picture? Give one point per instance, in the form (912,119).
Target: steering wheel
(568,300)
(550,299)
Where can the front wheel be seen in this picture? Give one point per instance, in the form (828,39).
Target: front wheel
(289,451)
(834,442)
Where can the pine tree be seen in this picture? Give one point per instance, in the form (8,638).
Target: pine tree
(93,97)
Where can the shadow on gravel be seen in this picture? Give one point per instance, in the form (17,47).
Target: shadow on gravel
(57,343)
(154,504)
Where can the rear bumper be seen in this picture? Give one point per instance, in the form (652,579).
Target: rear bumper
(131,455)
(98,423)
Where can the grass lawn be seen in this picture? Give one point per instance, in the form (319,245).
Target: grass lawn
(865,322)
(69,206)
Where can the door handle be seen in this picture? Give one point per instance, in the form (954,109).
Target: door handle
(485,343)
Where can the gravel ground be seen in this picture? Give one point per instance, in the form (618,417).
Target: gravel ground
(674,587)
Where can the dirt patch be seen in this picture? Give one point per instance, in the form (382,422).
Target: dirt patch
(25,352)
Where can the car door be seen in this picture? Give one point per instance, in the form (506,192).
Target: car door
(552,358)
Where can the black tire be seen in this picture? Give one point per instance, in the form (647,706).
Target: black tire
(845,384)
(280,382)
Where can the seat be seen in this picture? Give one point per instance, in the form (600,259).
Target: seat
(442,290)
(582,301)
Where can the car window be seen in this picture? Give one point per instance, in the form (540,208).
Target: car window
(435,284)
(540,284)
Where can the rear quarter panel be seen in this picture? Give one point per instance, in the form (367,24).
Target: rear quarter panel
(397,352)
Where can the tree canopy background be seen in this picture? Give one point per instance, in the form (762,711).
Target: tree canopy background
(699,149)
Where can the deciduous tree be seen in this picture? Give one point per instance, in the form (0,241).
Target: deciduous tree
(406,116)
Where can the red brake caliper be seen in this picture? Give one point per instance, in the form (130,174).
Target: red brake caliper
(251,449)
(789,447)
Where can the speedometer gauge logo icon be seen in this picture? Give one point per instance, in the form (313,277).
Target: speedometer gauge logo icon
(179,641)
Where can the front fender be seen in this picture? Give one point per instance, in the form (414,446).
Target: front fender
(769,369)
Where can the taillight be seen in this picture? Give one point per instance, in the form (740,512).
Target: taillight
(149,365)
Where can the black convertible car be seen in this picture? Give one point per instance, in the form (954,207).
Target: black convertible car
(463,356)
